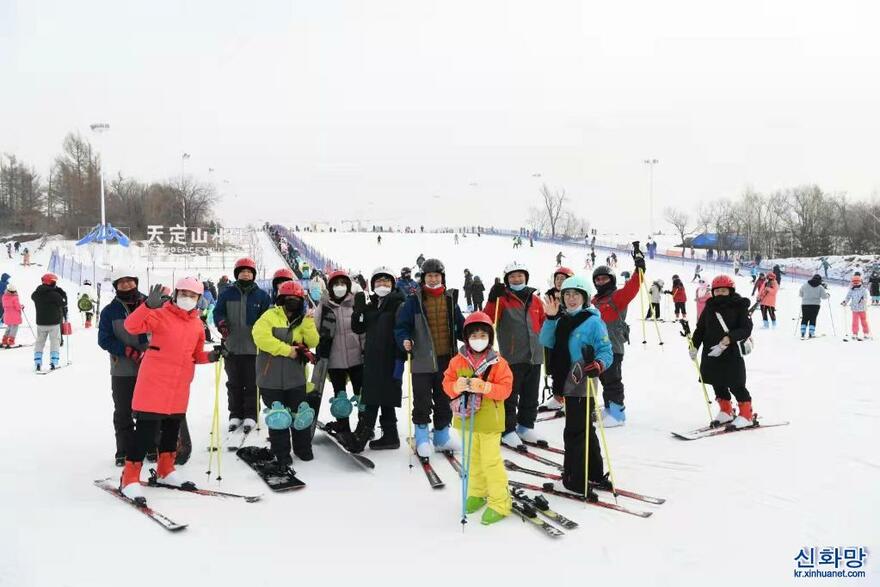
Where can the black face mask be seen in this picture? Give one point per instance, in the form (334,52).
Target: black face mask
(128,297)
(293,306)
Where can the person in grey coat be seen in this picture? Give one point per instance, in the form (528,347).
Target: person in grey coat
(812,293)
(342,347)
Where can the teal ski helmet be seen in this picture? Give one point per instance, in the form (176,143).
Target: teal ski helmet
(581,284)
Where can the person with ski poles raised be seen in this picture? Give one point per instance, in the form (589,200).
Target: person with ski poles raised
(519,314)
(580,350)
(723,325)
(161,393)
(612,304)
(479,381)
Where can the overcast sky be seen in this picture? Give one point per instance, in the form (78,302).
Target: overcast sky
(412,111)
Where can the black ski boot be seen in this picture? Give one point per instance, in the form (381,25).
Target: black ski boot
(602,484)
(304,453)
(341,429)
(363,433)
(389,441)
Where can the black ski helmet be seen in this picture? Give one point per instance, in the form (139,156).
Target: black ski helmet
(433,265)
(611,285)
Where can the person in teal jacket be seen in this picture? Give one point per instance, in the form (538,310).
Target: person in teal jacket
(579,350)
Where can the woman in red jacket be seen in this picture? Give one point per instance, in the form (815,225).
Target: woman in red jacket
(161,393)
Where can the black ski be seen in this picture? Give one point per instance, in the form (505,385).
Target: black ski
(110,487)
(540,504)
(263,462)
(548,488)
(543,445)
(528,514)
(154,482)
(511,466)
(430,473)
(359,459)
(539,459)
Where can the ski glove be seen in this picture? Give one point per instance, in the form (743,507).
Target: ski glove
(717,350)
(479,386)
(214,356)
(154,301)
(134,354)
(496,292)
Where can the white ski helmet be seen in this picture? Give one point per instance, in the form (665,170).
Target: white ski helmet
(386,271)
(515,266)
(120,272)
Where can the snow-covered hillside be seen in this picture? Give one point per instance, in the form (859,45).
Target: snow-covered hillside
(739,507)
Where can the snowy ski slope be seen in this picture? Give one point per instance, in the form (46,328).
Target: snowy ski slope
(739,507)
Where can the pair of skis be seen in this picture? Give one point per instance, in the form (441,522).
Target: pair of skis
(529,508)
(111,486)
(717,430)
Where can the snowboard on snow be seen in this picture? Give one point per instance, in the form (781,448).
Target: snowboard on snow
(357,458)
(262,461)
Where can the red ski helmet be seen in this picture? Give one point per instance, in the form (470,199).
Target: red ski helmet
(283,274)
(481,320)
(48,278)
(723,281)
(291,288)
(244,263)
(564,271)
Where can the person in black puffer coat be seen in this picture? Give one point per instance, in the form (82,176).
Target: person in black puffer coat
(722,365)
(478,293)
(374,316)
(50,303)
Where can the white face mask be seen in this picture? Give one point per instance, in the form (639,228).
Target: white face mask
(478,344)
(186,304)
(439,285)
(382,291)
(339,291)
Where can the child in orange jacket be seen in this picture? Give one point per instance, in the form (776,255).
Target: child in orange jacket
(478,380)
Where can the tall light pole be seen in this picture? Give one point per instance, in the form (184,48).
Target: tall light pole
(100,128)
(183,159)
(651,163)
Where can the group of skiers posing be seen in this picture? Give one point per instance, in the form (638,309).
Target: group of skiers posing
(281,346)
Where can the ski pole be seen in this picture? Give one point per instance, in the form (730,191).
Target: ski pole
(26,319)
(214,445)
(591,391)
(797,323)
(686,332)
(409,401)
(587,446)
(831,315)
(651,308)
(642,306)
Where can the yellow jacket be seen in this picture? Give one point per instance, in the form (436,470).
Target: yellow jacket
(274,335)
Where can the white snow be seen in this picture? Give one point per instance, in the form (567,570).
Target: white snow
(739,507)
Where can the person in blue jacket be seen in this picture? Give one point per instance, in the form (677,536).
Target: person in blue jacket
(125,351)
(236,312)
(579,349)
(405,283)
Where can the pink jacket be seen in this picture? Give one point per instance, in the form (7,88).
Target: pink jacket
(11,309)
(703,294)
(768,294)
(177,344)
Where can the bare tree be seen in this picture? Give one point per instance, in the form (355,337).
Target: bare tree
(680,220)
(554,205)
